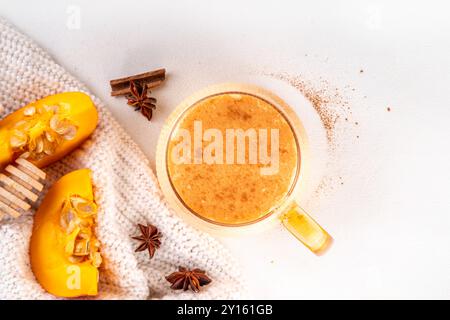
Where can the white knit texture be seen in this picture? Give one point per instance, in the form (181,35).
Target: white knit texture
(126,191)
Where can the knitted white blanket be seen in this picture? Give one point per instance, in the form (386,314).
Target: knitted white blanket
(127,194)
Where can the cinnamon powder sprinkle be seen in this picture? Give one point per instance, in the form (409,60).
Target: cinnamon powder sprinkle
(335,113)
(326,100)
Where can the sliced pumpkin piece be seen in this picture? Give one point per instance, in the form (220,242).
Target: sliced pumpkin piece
(46,130)
(64,252)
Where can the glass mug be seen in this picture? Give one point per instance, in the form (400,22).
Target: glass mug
(231,159)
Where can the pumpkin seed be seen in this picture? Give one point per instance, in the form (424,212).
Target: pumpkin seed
(30,111)
(18,139)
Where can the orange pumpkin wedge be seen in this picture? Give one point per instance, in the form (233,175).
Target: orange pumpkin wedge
(64,251)
(46,130)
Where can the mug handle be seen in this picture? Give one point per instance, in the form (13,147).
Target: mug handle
(305,229)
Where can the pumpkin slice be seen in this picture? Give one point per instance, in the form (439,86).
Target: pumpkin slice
(64,251)
(46,130)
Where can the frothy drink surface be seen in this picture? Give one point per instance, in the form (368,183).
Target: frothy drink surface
(235,193)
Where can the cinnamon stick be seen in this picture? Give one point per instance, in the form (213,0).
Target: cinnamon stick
(151,79)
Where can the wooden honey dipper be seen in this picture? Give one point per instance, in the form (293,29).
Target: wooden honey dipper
(20,185)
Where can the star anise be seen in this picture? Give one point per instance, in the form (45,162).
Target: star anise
(141,101)
(183,279)
(150,238)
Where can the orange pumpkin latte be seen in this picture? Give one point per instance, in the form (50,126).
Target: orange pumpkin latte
(218,180)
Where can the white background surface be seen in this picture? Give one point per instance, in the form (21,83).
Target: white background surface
(391,217)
